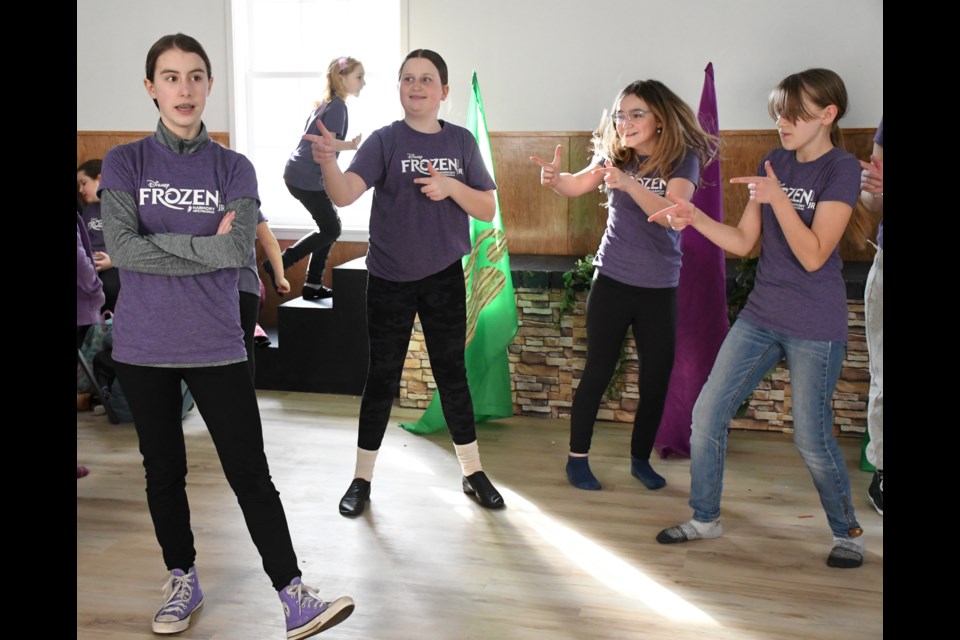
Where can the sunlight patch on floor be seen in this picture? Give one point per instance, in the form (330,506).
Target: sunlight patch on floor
(603,565)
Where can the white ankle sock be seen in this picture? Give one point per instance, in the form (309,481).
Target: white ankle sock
(365,462)
(469,456)
(707,529)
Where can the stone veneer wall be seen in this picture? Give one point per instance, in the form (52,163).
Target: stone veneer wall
(548,354)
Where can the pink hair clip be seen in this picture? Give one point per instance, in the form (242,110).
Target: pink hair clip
(342,63)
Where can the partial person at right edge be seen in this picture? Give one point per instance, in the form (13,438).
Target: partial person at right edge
(304,179)
(871,195)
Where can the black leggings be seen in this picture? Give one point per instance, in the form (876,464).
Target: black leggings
(612,307)
(249,314)
(317,244)
(440,300)
(228,404)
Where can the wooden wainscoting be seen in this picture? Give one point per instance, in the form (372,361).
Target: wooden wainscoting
(538,221)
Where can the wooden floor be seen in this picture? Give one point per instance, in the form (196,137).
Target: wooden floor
(425,562)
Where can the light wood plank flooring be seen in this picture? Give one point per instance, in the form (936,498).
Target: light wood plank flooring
(425,562)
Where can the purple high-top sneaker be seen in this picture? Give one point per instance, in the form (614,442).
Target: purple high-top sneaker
(307,614)
(184,597)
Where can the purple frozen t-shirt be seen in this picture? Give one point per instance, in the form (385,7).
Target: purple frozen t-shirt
(632,250)
(301,171)
(786,297)
(879,140)
(94,225)
(411,236)
(178,320)
(249,279)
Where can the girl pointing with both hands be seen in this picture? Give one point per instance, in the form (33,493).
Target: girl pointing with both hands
(428,179)
(800,204)
(651,144)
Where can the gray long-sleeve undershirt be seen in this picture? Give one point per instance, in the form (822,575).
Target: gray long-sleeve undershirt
(174,254)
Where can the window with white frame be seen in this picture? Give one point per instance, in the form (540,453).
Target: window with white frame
(280,51)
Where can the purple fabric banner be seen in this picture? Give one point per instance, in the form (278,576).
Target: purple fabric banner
(702,301)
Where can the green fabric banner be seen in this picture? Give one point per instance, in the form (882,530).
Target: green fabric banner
(491,306)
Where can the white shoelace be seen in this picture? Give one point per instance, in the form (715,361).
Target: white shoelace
(307,597)
(178,590)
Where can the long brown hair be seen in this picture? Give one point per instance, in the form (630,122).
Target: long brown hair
(679,131)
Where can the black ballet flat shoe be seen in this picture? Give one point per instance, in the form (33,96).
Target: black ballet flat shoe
(268,269)
(355,499)
(317,293)
(479,486)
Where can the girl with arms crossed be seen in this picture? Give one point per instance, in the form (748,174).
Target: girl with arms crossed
(180,213)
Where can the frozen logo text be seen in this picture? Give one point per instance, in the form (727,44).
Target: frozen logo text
(417,164)
(800,198)
(190,200)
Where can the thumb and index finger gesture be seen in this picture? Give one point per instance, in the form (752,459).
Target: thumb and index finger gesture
(550,171)
(436,186)
(763,189)
(323,146)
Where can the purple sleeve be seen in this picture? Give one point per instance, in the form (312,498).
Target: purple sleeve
(334,118)
(688,168)
(116,173)
(241,181)
(843,182)
(87,279)
(476,175)
(879,137)
(333,115)
(368,162)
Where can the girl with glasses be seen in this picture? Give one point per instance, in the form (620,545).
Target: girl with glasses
(651,144)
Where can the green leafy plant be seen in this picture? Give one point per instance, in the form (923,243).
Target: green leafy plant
(742,286)
(580,278)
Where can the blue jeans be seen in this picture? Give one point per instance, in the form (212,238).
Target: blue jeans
(747,354)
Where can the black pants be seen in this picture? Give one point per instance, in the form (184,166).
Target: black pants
(249,314)
(228,404)
(317,244)
(440,299)
(612,307)
(111,288)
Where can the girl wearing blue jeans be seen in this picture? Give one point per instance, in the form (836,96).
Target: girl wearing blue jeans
(801,201)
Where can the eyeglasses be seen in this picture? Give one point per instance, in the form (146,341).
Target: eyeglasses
(620,117)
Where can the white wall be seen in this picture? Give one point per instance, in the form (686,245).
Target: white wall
(553,65)
(548,65)
(113,37)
